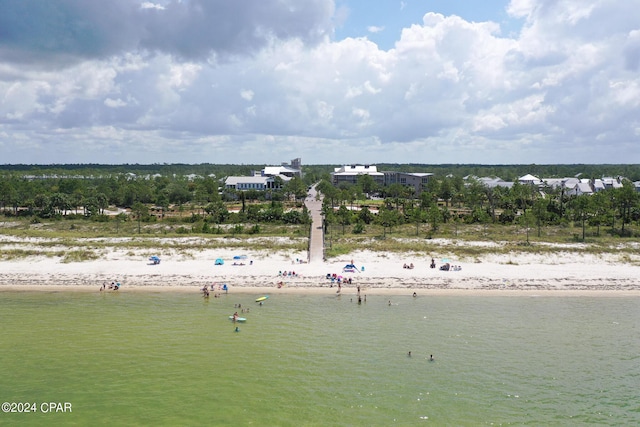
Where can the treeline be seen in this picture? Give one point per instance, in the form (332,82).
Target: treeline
(150,198)
(452,199)
(314,173)
(153,192)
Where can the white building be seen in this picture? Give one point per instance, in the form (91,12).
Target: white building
(350,174)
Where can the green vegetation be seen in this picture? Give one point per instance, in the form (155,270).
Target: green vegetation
(83,206)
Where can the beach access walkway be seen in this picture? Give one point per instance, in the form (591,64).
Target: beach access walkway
(316,237)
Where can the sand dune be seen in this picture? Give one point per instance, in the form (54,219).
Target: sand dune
(566,273)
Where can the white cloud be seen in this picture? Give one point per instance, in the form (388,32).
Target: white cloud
(247,95)
(449,91)
(114,103)
(149,5)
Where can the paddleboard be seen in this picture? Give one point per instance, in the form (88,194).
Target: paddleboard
(262,298)
(238,319)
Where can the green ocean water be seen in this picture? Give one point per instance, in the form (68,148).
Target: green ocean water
(175,359)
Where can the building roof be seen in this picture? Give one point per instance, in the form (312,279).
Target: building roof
(235,180)
(529,178)
(278,170)
(583,188)
(357,170)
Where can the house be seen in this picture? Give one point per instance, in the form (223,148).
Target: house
(529,179)
(598,185)
(266,178)
(492,182)
(244,183)
(582,187)
(610,182)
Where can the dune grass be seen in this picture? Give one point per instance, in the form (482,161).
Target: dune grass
(91,240)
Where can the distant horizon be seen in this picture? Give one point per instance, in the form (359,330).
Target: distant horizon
(9,165)
(319,164)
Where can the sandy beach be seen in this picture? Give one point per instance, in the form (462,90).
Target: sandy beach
(260,271)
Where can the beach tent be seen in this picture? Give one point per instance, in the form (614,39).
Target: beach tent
(350,268)
(240,257)
(219,261)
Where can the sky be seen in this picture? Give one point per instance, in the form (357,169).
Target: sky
(328,81)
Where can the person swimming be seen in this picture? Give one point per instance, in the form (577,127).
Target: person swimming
(409,354)
(431,359)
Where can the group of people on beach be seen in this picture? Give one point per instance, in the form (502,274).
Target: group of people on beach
(206,293)
(409,266)
(113,286)
(287,274)
(338,279)
(449,267)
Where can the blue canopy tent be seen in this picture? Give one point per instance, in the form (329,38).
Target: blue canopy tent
(350,268)
(154,259)
(219,261)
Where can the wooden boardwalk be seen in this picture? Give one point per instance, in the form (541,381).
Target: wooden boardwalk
(316,237)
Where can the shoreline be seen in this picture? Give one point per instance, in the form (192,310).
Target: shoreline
(328,291)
